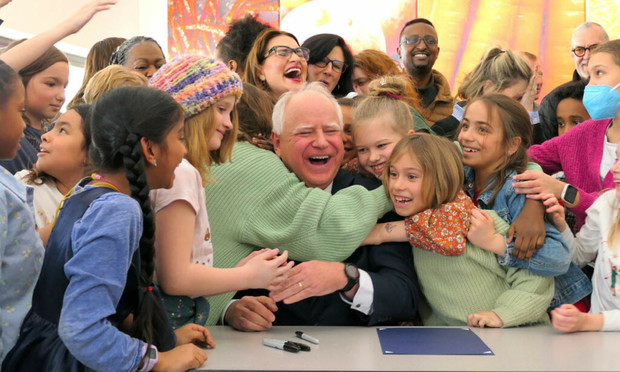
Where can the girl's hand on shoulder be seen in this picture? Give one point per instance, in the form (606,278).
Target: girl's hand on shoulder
(533,183)
(196,334)
(555,211)
(85,14)
(484,319)
(262,143)
(267,269)
(181,358)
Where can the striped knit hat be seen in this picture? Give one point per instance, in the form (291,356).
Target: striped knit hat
(196,82)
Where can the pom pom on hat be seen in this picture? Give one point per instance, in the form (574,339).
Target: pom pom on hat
(196,82)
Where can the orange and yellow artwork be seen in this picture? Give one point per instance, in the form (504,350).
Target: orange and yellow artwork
(466,28)
(196,26)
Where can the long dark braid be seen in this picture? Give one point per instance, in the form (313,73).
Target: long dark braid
(121,117)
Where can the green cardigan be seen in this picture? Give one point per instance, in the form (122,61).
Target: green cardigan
(255,202)
(455,286)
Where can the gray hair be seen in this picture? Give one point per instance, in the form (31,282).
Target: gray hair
(587,25)
(278,110)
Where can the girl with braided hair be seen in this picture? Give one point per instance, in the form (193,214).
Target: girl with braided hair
(95,306)
(141,54)
(208,92)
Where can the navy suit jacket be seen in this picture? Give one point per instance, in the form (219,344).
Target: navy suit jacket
(391,269)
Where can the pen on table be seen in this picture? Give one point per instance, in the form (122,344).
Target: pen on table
(282,345)
(306,337)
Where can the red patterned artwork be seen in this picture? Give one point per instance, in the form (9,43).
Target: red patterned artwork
(195,26)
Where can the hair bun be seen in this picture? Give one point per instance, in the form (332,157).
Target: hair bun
(389,86)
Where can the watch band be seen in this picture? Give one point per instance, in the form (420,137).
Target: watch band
(352,279)
(150,357)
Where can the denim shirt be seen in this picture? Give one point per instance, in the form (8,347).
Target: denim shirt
(103,243)
(553,259)
(21,256)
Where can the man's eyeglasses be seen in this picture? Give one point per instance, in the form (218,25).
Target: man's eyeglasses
(415,39)
(285,52)
(338,66)
(581,51)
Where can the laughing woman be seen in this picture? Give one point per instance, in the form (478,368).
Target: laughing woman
(276,63)
(330,63)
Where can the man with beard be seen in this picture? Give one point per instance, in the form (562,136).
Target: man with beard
(586,37)
(418,51)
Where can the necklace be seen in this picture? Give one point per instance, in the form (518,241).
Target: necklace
(101,181)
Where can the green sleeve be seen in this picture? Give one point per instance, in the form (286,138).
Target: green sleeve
(533,166)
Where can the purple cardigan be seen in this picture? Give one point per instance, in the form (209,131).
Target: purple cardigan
(578,153)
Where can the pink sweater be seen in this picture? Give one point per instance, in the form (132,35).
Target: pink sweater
(578,153)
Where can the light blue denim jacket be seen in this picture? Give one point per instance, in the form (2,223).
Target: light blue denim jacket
(553,259)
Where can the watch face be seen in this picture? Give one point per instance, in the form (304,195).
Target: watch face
(352,272)
(570,195)
(152,353)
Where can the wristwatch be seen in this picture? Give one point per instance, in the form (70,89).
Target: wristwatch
(569,194)
(150,358)
(353,276)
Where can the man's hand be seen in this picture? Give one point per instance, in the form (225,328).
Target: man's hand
(309,279)
(251,313)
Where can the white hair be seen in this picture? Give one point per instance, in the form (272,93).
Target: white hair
(278,111)
(587,25)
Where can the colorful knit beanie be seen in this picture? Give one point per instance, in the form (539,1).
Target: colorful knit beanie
(196,82)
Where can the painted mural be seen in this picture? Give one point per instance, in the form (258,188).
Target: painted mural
(466,28)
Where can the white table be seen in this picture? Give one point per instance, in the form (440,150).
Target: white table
(358,349)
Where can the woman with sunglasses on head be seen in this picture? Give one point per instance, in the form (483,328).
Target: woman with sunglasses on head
(276,63)
(329,63)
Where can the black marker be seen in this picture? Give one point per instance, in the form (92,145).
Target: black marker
(306,337)
(282,345)
(302,347)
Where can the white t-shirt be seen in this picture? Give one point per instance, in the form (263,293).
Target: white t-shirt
(591,243)
(46,199)
(187,186)
(609,158)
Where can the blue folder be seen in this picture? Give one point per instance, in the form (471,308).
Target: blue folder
(431,341)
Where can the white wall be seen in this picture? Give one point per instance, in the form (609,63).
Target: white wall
(24,18)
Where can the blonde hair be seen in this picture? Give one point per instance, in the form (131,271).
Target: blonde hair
(501,67)
(111,77)
(441,163)
(385,96)
(198,129)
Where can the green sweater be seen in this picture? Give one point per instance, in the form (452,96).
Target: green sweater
(455,286)
(255,202)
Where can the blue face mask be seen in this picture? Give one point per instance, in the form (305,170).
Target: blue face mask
(601,101)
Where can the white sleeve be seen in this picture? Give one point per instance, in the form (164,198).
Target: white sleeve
(585,245)
(611,320)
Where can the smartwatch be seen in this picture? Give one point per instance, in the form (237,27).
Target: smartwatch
(353,276)
(569,194)
(150,358)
